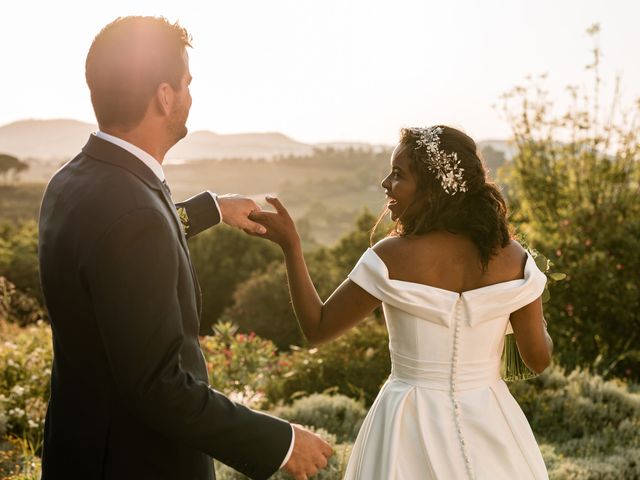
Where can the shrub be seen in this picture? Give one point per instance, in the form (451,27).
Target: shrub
(262,305)
(25,368)
(588,426)
(224,258)
(18,307)
(241,366)
(18,461)
(19,255)
(573,184)
(339,415)
(3,420)
(355,365)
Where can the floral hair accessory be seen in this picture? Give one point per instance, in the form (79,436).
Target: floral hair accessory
(445,166)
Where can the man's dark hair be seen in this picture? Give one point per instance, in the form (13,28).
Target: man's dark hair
(127,61)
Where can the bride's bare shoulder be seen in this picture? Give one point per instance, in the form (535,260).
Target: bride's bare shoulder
(511,260)
(390,247)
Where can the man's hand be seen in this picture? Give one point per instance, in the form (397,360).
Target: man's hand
(235,211)
(310,454)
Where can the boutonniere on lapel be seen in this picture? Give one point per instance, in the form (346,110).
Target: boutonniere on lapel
(184,218)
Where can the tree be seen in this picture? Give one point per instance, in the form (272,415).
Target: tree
(10,163)
(224,258)
(574,186)
(262,305)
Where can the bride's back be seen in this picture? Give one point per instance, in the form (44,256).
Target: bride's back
(448,261)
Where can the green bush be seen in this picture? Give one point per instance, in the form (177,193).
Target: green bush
(225,257)
(573,184)
(3,421)
(622,466)
(355,365)
(17,307)
(25,369)
(19,256)
(588,426)
(241,366)
(339,415)
(18,461)
(261,305)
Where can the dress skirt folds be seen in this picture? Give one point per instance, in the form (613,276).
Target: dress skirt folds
(445,413)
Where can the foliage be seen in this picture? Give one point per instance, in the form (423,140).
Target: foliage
(9,163)
(25,368)
(339,415)
(223,258)
(241,366)
(589,425)
(351,246)
(355,365)
(18,461)
(20,202)
(261,305)
(574,184)
(19,255)
(18,307)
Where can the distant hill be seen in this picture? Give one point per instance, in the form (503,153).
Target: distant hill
(206,145)
(44,139)
(59,140)
(55,141)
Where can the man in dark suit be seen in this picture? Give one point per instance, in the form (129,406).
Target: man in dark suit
(129,387)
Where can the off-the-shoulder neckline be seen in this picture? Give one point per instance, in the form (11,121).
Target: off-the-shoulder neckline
(451,292)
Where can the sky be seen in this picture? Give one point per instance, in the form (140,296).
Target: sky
(329,70)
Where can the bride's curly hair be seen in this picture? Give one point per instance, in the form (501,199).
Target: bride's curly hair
(480,212)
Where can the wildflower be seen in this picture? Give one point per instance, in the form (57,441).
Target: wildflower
(17,412)
(18,390)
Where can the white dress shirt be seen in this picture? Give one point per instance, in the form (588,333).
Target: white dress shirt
(156,168)
(147,159)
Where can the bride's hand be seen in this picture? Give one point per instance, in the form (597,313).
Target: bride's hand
(279,225)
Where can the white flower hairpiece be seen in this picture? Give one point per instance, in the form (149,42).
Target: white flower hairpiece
(445,166)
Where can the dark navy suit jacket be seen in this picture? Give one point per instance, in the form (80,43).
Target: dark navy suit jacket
(129,387)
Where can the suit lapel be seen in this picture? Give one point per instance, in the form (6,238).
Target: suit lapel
(183,242)
(108,152)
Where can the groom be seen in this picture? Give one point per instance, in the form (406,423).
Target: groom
(129,392)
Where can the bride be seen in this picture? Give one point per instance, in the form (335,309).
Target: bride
(451,281)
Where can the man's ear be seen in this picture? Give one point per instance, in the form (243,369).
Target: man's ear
(164,98)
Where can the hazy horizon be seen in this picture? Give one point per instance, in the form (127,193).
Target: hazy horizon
(331,71)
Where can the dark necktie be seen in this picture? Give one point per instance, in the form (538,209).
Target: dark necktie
(166,187)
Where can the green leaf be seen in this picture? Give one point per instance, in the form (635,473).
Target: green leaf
(545,295)
(558,276)
(542,262)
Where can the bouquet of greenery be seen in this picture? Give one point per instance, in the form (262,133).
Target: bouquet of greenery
(513,367)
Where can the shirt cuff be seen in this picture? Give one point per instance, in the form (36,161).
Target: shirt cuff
(215,199)
(288,455)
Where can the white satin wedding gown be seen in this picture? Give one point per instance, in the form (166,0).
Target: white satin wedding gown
(445,413)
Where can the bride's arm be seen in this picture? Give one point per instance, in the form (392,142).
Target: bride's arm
(320,321)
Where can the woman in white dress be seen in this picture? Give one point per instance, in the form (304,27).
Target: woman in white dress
(451,282)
